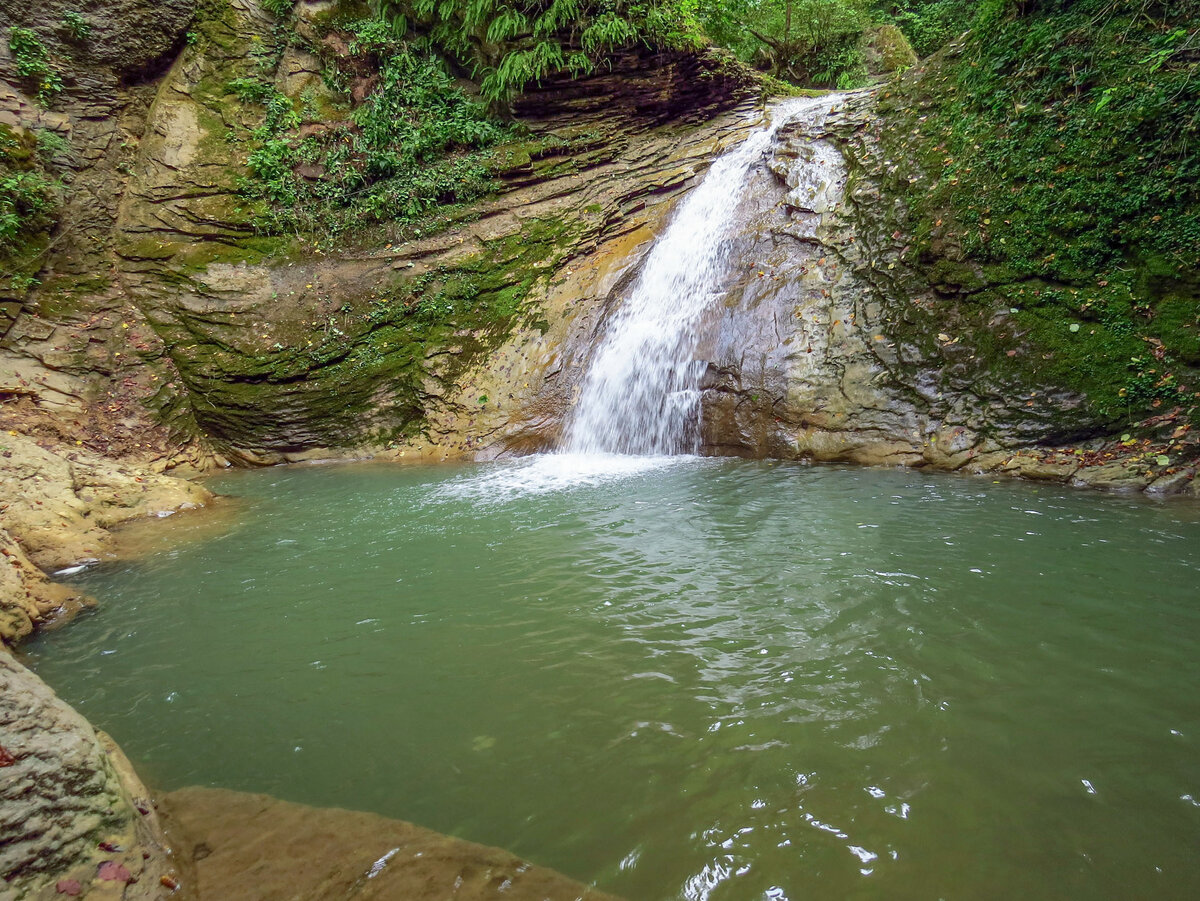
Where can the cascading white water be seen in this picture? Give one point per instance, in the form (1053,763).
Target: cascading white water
(642,392)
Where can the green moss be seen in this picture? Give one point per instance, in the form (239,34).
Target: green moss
(195,258)
(216,25)
(1054,155)
(29,210)
(359,375)
(894,50)
(340,15)
(62,295)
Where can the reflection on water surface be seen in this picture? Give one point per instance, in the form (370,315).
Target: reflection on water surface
(685,679)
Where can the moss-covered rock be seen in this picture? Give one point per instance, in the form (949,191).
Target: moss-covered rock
(1044,190)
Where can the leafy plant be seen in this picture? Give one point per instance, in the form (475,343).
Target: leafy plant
(280,9)
(251,90)
(414,144)
(52,147)
(77,28)
(928,24)
(27,203)
(32,61)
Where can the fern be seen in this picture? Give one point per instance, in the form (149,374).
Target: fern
(507,25)
(509,44)
(606,33)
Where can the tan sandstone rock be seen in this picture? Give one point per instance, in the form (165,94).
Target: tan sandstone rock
(247,847)
(71,809)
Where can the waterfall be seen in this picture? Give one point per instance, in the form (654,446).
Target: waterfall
(641,394)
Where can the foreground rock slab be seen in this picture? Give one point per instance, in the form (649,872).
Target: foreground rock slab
(247,847)
(74,818)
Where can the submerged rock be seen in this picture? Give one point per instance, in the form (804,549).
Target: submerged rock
(247,847)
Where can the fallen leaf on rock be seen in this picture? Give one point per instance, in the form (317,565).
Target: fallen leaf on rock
(6,758)
(111,871)
(68,887)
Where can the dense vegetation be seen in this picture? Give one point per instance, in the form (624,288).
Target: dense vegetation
(413,143)
(1063,139)
(415,140)
(506,45)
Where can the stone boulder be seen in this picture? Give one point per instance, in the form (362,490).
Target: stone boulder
(74,818)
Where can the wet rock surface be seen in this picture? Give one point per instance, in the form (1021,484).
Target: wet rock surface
(824,348)
(74,818)
(246,847)
(27,596)
(58,504)
(821,346)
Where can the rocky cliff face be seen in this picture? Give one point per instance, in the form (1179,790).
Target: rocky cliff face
(164,321)
(173,322)
(836,343)
(832,345)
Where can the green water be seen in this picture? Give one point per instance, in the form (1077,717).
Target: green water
(707,679)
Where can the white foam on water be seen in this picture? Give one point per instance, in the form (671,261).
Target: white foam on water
(549,473)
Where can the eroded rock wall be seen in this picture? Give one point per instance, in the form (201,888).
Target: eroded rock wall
(285,348)
(164,320)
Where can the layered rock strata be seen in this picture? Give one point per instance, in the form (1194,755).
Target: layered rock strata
(58,505)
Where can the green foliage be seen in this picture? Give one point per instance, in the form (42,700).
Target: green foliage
(26,200)
(821,43)
(280,9)
(76,27)
(1062,143)
(53,148)
(928,24)
(415,143)
(28,206)
(33,63)
(251,90)
(508,45)
(818,43)
(895,52)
